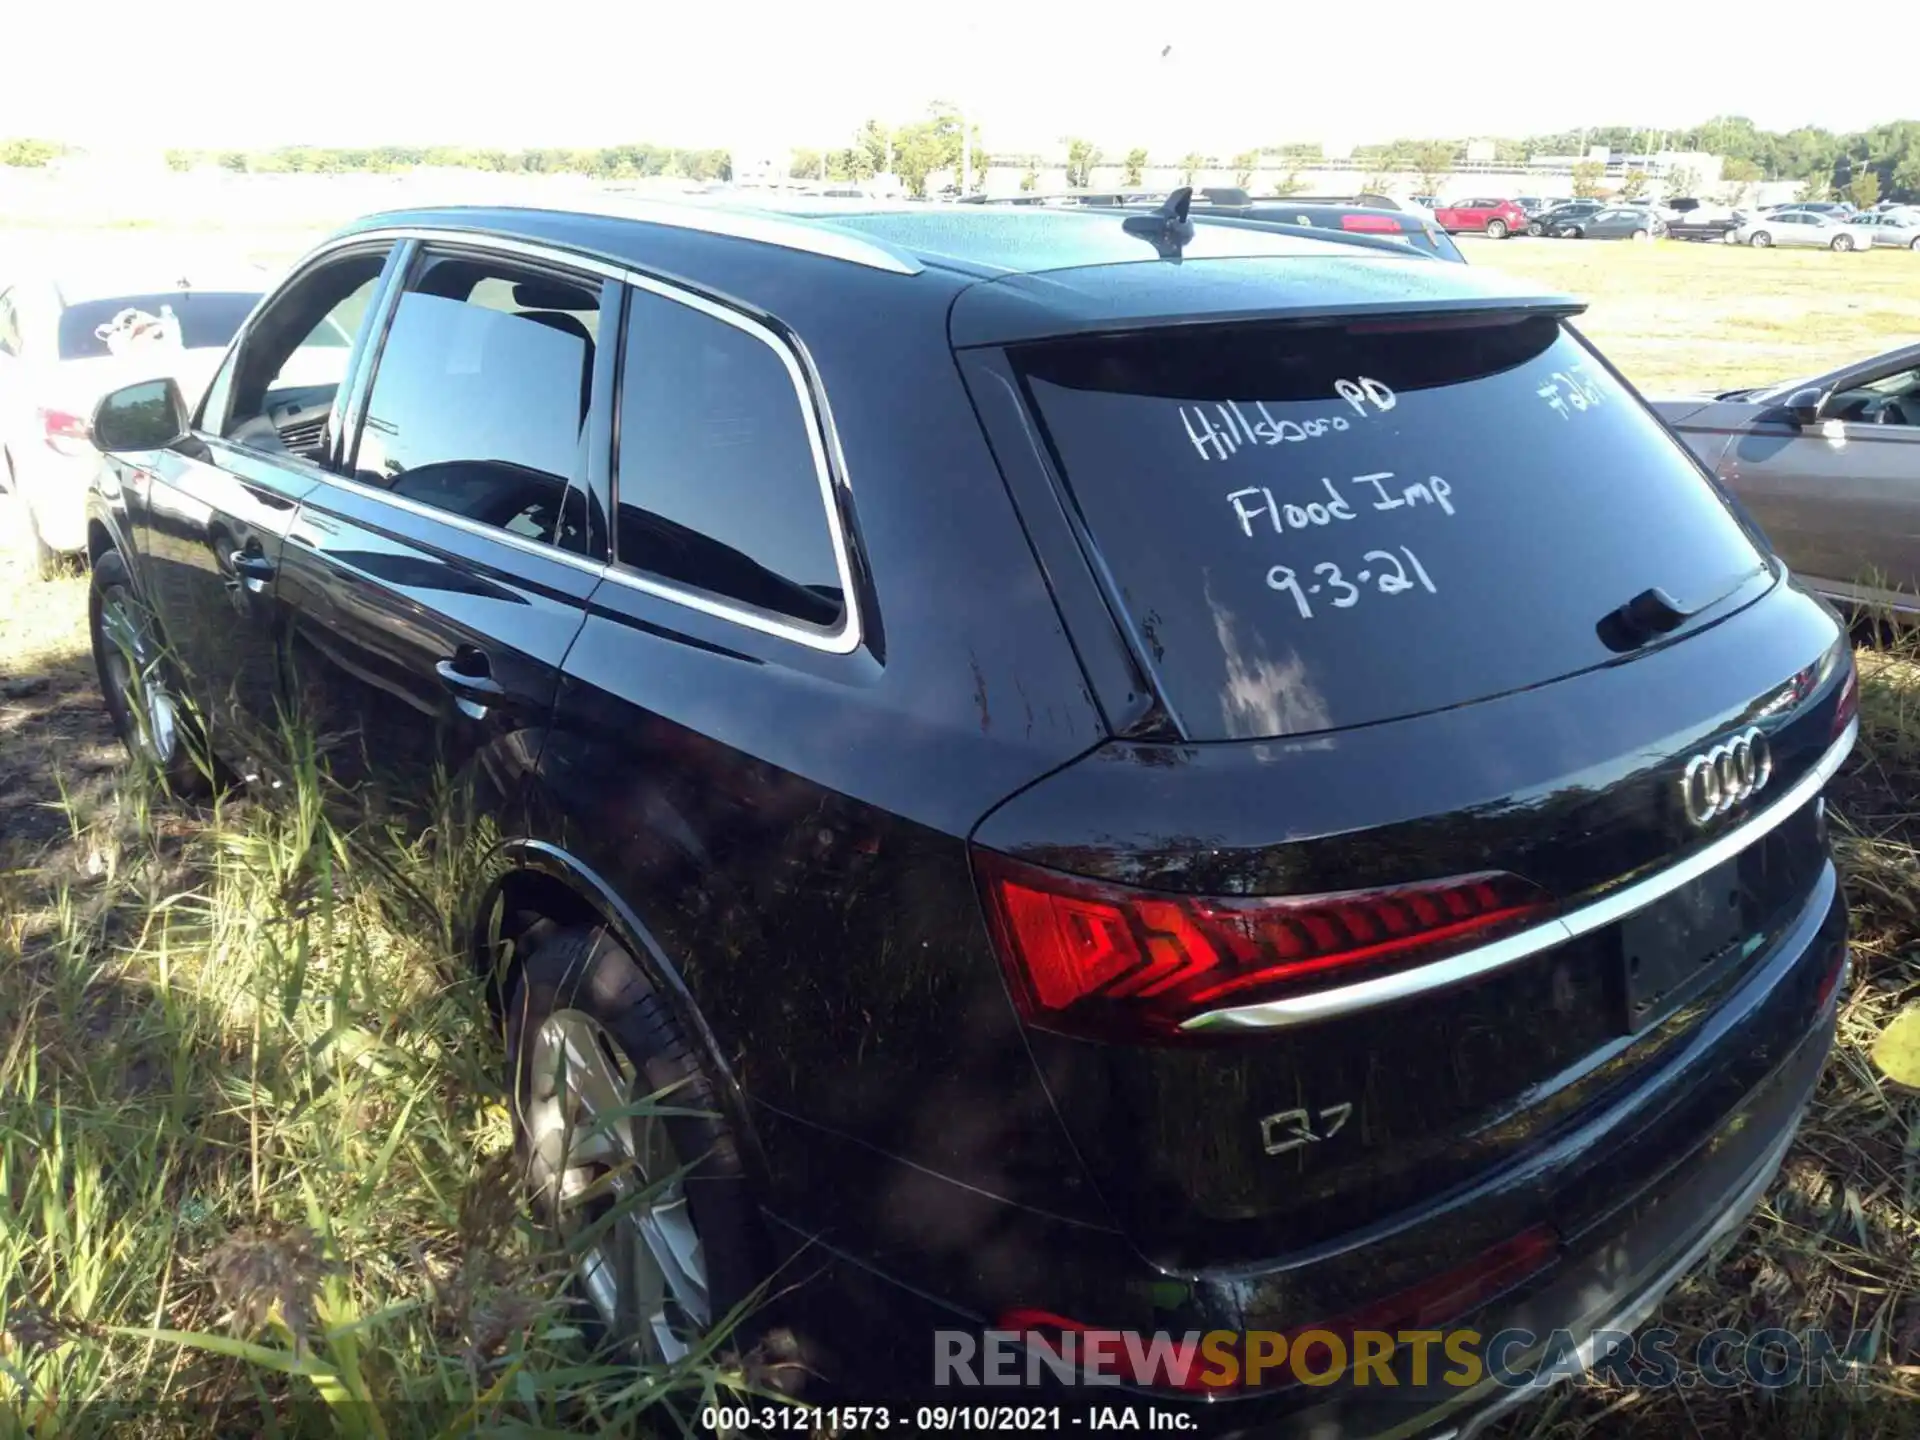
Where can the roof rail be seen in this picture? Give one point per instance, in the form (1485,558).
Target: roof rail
(721,217)
(726,216)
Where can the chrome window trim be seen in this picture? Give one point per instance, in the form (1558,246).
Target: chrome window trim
(1497,955)
(542,548)
(844,638)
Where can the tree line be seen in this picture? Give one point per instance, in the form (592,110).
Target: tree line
(1863,165)
(1883,160)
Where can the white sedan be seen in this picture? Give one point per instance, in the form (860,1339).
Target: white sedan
(1806,228)
(69,336)
(1899,229)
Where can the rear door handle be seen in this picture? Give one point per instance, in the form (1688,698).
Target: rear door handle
(472,693)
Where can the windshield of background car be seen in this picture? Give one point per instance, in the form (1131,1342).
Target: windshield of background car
(208,319)
(1318,526)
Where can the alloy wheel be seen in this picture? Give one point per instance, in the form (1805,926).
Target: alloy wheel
(615,1182)
(137,677)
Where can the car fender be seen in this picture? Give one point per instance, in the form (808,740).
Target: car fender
(528,855)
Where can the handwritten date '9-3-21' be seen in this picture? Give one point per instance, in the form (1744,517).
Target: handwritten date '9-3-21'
(1382,569)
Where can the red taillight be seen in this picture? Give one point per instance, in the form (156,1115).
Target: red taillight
(1443,1299)
(1848,705)
(1830,982)
(1456,1293)
(69,434)
(1370,222)
(1107,961)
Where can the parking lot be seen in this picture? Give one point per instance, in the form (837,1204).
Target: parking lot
(1677,316)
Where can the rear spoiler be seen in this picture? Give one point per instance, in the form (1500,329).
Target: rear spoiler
(1306,289)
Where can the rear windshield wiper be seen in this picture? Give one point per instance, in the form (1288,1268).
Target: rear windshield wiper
(1653,613)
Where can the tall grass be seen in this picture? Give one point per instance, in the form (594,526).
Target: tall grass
(255,1149)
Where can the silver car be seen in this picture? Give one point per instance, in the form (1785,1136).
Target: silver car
(1829,468)
(1808,228)
(1899,229)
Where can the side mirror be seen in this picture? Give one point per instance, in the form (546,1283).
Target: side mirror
(149,416)
(1803,405)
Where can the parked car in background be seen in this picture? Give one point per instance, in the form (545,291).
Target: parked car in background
(1532,204)
(1813,207)
(1806,229)
(1366,200)
(959,748)
(1427,202)
(1497,218)
(1827,466)
(1568,212)
(1897,229)
(1402,227)
(1707,223)
(1405,227)
(1620,222)
(57,343)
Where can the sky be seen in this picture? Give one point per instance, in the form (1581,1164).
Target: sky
(1217,76)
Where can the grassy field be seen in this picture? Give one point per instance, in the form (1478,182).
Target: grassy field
(254,1145)
(1677,316)
(255,1150)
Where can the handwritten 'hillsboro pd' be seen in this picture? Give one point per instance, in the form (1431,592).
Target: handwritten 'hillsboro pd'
(1222,434)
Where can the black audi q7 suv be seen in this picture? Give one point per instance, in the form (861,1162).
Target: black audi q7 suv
(1123,772)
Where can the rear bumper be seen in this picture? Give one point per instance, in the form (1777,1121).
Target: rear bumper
(55,487)
(1697,1158)
(1621,1280)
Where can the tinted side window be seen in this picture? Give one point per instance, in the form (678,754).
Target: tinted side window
(720,476)
(481,403)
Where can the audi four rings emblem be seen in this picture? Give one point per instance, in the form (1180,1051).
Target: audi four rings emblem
(1716,780)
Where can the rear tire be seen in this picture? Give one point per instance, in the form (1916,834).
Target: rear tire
(1536,229)
(1914,244)
(1496,229)
(1641,235)
(1761,240)
(1841,243)
(689,1249)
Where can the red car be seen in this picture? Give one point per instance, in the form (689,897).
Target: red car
(1499,218)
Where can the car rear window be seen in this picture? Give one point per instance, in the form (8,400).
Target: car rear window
(1319,526)
(208,319)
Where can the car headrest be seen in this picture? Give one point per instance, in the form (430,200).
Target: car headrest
(559,320)
(551,295)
